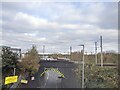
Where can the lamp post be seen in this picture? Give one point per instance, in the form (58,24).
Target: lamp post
(43,52)
(96,53)
(101,51)
(83,70)
(70,52)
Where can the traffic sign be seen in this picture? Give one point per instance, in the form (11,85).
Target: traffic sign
(11,79)
(24,81)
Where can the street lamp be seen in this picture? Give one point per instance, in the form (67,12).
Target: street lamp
(83,70)
(43,52)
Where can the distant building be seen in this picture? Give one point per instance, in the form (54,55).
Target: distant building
(16,50)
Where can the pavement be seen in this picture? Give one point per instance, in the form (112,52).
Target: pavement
(52,79)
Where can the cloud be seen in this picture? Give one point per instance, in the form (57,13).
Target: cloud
(59,25)
(109,16)
(22,18)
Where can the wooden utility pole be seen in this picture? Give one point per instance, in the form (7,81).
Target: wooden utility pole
(96,53)
(101,51)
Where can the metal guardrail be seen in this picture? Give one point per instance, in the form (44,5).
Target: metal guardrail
(15,85)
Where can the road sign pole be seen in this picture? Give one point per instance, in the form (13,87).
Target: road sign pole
(14,71)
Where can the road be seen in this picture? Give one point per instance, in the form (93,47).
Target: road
(52,79)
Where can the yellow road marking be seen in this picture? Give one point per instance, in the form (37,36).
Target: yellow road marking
(61,74)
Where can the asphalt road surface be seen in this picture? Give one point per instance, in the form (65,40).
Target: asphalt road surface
(52,79)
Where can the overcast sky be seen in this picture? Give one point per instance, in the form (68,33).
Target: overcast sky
(59,25)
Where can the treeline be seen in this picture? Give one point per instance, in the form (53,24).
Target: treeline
(108,57)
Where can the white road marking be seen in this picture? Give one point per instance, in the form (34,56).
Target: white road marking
(47,75)
(47,78)
(51,75)
(45,84)
(57,82)
(38,87)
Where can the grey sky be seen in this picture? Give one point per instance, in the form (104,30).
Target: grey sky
(59,25)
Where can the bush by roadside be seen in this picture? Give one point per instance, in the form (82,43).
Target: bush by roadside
(98,77)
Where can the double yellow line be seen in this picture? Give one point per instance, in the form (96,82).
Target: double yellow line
(61,74)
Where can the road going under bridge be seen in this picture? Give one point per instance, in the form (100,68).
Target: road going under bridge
(52,79)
